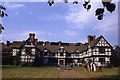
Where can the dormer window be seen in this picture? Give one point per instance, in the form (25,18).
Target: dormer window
(76,53)
(61,49)
(61,54)
(69,54)
(53,54)
(46,52)
(101,50)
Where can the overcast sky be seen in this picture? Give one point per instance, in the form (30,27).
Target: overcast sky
(61,22)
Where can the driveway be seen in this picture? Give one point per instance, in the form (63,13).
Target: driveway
(71,74)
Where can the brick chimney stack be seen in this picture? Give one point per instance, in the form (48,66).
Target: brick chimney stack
(81,45)
(90,38)
(8,43)
(71,44)
(94,37)
(36,41)
(47,43)
(32,36)
(60,43)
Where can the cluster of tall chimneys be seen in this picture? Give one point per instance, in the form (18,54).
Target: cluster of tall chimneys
(90,38)
(8,43)
(32,37)
(48,43)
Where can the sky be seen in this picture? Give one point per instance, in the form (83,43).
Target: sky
(60,22)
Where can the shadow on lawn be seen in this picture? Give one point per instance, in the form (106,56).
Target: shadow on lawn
(13,66)
(111,77)
(114,77)
(9,66)
(61,79)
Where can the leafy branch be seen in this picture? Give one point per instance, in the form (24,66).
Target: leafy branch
(2,14)
(99,12)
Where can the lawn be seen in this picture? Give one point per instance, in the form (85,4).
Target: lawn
(106,73)
(11,71)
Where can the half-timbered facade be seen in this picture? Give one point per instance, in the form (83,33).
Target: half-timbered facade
(58,53)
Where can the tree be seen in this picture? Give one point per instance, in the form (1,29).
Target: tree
(2,14)
(6,56)
(82,61)
(37,61)
(115,57)
(16,60)
(99,12)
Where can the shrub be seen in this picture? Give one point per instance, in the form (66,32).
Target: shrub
(90,60)
(16,60)
(109,65)
(26,64)
(81,61)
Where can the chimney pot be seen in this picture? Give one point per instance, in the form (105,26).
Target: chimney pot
(33,37)
(36,41)
(8,43)
(81,45)
(47,43)
(88,38)
(30,35)
(60,43)
(94,37)
(71,44)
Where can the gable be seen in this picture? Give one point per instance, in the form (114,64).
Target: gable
(45,50)
(61,49)
(102,42)
(28,43)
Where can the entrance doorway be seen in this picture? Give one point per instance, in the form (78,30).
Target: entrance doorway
(102,60)
(61,62)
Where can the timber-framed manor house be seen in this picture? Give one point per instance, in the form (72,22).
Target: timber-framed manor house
(58,53)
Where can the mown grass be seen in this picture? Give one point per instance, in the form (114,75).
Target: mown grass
(106,72)
(11,71)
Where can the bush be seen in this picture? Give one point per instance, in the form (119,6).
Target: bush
(82,61)
(90,60)
(109,65)
(16,60)
(26,64)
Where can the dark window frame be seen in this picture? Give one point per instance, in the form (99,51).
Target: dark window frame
(45,53)
(68,54)
(77,53)
(53,54)
(101,50)
(61,54)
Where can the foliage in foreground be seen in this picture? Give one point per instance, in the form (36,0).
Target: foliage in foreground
(12,71)
(115,57)
(106,73)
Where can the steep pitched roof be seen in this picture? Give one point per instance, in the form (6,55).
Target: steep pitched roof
(70,49)
(17,44)
(92,43)
(55,48)
(83,48)
(51,48)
